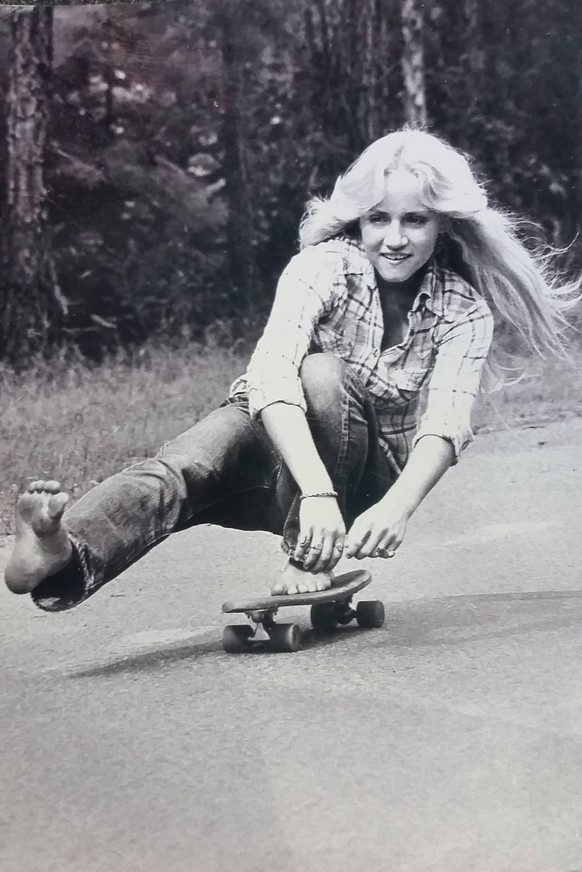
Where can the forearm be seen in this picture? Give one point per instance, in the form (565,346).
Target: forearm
(428,462)
(288,428)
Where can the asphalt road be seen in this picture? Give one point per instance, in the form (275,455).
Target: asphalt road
(448,741)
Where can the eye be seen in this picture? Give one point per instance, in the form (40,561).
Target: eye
(417,219)
(377,218)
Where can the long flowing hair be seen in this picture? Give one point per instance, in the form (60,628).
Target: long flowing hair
(485,245)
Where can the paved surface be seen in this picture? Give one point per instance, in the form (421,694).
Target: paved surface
(448,741)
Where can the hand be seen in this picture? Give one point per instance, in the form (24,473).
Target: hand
(377,532)
(321,534)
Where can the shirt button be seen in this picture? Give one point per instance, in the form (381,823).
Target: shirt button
(376,353)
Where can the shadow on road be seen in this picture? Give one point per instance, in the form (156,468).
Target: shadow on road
(445,621)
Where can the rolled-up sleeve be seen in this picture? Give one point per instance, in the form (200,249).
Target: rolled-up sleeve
(307,290)
(462,348)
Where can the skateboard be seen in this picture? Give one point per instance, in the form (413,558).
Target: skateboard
(329,609)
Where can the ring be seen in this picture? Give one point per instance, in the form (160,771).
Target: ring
(338,546)
(390,553)
(381,552)
(304,540)
(316,547)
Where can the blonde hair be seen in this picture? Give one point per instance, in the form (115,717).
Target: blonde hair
(480,242)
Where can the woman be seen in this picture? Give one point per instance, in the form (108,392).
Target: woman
(399,278)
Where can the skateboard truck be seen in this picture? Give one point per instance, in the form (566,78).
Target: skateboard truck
(329,609)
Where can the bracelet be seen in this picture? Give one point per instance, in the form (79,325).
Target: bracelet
(322,494)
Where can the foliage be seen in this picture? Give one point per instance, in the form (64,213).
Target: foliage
(186,137)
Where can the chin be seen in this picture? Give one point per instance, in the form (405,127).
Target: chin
(397,275)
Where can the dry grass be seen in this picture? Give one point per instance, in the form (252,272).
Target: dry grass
(80,424)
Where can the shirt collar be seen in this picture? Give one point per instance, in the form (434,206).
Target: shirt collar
(430,292)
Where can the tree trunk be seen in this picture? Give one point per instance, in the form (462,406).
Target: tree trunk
(241,258)
(31,302)
(369,122)
(413,62)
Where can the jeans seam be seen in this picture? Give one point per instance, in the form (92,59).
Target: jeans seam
(90,578)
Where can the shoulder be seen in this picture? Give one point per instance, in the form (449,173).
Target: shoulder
(458,299)
(341,255)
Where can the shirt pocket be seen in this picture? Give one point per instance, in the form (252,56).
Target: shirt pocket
(406,384)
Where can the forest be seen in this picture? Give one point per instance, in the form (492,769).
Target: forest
(156,157)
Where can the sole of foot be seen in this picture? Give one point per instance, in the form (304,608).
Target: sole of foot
(41,546)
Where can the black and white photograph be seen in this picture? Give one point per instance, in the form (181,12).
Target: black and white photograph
(291,436)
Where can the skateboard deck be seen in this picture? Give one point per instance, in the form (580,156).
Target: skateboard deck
(329,609)
(341,586)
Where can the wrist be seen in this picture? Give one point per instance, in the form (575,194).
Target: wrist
(314,484)
(398,503)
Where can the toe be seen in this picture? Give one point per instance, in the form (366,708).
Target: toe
(56,505)
(26,500)
(326,582)
(52,487)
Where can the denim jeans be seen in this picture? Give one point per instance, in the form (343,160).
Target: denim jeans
(224,470)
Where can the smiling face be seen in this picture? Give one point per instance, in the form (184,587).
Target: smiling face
(399,235)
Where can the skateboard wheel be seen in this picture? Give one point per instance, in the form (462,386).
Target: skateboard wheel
(236,638)
(323,617)
(370,614)
(285,637)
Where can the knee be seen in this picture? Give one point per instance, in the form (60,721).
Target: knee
(323,377)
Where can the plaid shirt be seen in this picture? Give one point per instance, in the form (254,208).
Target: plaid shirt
(328,300)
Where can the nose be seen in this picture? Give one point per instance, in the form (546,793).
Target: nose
(395,238)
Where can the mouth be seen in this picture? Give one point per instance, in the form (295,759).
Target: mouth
(396,258)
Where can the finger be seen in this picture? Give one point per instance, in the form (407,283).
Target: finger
(368,549)
(387,547)
(384,552)
(312,555)
(302,546)
(355,540)
(325,555)
(336,554)
(357,545)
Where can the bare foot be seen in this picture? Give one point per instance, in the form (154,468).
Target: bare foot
(295,580)
(42,546)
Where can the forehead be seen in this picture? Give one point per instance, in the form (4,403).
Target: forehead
(402,193)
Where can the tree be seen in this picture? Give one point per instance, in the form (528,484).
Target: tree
(31,302)
(413,62)
(241,258)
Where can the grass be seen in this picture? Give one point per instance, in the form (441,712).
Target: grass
(79,424)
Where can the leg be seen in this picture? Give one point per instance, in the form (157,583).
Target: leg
(197,477)
(345,431)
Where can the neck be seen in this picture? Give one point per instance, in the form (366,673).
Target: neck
(403,292)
